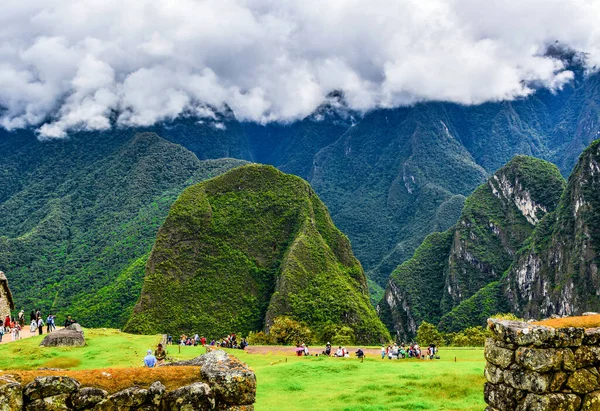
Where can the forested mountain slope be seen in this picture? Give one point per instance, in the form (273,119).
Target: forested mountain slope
(246,247)
(450,267)
(79,217)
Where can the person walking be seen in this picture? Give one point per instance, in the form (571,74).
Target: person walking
(21,318)
(49,324)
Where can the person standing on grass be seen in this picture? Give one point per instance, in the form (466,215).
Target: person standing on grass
(49,324)
(382,351)
(21,318)
(7,323)
(150,360)
(40,326)
(160,354)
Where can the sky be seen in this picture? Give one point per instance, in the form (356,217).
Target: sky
(69,65)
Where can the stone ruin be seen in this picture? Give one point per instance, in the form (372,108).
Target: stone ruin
(6,300)
(225,384)
(540,368)
(71,336)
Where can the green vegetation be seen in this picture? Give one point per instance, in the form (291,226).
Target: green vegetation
(241,249)
(452,279)
(76,235)
(455,382)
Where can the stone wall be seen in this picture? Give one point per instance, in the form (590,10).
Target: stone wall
(6,301)
(225,384)
(538,368)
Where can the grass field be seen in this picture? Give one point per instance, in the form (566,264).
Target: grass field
(292,383)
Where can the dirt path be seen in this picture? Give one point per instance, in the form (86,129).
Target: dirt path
(24,333)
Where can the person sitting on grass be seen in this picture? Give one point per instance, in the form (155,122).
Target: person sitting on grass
(160,354)
(339,352)
(150,360)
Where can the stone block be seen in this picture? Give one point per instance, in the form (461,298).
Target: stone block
(569,360)
(591,402)
(550,402)
(50,386)
(558,381)
(58,402)
(88,397)
(493,374)
(528,380)
(501,357)
(501,396)
(11,394)
(586,356)
(540,359)
(583,381)
(591,336)
(155,393)
(569,337)
(197,396)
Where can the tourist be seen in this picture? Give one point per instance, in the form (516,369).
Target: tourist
(1,333)
(160,354)
(212,343)
(32,316)
(360,353)
(169,340)
(15,331)
(150,360)
(346,352)
(49,324)
(69,321)
(382,351)
(328,349)
(203,341)
(21,318)
(7,323)
(33,326)
(40,325)
(339,352)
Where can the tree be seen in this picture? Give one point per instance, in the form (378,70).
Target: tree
(289,332)
(427,334)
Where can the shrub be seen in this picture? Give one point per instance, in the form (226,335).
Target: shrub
(337,335)
(289,332)
(428,334)
(259,338)
(470,337)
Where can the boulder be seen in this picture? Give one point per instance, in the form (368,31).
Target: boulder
(197,396)
(540,359)
(591,402)
(502,357)
(501,396)
(75,327)
(550,402)
(58,402)
(88,397)
(11,394)
(584,381)
(155,393)
(43,387)
(524,334)
(586,356)
(232,381)
(64,338)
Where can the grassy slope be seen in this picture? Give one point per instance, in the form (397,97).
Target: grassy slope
(293,383)
(250,245)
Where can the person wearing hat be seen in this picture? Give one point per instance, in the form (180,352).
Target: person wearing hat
(150,360)
(160,354)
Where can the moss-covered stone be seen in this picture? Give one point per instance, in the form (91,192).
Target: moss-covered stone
(591,402)
(502,357)
(584,381)
(551,402)
(243,248)
(540,359)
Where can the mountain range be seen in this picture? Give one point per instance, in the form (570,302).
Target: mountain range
(79,215)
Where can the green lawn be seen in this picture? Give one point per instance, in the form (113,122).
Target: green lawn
(293,383)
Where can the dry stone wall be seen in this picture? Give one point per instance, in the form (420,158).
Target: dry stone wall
(539,368)
(226,384)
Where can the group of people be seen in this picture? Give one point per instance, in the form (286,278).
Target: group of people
(14,325)
(229,341)
(342,352)
(157,359)
(394,352)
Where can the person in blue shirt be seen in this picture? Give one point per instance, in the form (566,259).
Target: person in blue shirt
(150,360)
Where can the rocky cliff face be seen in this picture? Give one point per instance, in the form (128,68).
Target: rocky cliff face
(243,248)
(450,267)
(558,271)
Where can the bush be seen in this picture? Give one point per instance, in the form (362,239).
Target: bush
(259,338)
(337,335)
(286,331)
(427,334)
(470,337)
(506,316)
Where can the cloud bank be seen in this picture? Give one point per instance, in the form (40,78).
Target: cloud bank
(86,64)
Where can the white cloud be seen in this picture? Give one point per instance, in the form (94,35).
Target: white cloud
(68,65)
